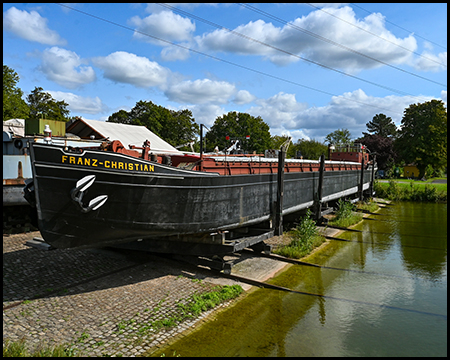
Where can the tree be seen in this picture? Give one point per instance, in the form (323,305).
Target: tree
(175,127)
(339,137)
(120,117)
(237,126)
(180,127)
(381,125)
(311,149)
(382,147)
(43,106)
(422,138)
(14,107)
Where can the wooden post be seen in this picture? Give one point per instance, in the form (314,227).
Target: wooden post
(280,190)
(361,196)
(318,199)
(201,147)
(373,174)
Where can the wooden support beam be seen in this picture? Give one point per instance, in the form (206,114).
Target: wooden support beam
(280,190)
(361,197)
(318,197)
(373,175)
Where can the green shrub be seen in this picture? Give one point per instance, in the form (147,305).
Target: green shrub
(346,215)
(305,237)
(344,210)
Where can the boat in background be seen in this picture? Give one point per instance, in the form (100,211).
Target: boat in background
(95,196)
(18,216)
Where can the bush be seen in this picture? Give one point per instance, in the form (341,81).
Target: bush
(305,237)
(344,210)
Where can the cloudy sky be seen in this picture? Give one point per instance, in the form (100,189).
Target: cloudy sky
(306,69)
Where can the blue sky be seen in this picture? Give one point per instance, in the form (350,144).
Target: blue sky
(306,69)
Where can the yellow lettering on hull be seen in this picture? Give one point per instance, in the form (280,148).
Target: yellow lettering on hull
(106,164)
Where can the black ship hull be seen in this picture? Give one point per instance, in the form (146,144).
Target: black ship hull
(97,198)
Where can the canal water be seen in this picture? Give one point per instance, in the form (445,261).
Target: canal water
(389,299)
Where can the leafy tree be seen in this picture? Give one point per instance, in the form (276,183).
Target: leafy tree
(180,128)
(310,149)
(339,137)
(121,117)
(422,138)
(383,147)
(175,127)
(42,105)
(14,107)
(237,126)
(381,125)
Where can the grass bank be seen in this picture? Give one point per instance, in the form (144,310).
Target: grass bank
(305,237)
(412,190)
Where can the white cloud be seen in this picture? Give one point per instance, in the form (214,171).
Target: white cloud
(223,40)
(201,92)
(279,111)
(206,114)
(351,111)
(124,67)
(65,68)
(165,25)
(444,96)
(294,38)
(173,53)
(431,62)
(243,97)
(80,104)
(30,26)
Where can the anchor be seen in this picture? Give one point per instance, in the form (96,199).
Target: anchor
(77,194)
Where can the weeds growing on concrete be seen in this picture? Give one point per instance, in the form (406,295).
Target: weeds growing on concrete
(370,205)
(18,349)
(203,302)
(305,237)
(346,215)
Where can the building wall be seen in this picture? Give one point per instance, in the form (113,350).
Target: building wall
(410,171)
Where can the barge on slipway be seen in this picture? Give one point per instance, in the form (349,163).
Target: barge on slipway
(111,195)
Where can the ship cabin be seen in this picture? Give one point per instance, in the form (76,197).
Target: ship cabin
(349,152)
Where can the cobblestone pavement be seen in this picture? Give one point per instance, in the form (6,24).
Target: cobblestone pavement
(104,304)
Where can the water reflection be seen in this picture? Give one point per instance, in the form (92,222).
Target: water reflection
(275,323)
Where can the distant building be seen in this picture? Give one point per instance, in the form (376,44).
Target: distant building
(410,171)
(126,134)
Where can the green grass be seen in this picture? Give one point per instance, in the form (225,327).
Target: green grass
(294,251)
(18,349)
(411,190)
(203,302)
(348,221)
(369,206)
(304,238)
(346,215)
(187,308)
